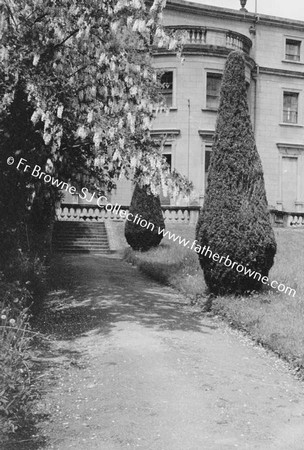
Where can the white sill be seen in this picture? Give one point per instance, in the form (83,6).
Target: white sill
(295,125)
(300,63)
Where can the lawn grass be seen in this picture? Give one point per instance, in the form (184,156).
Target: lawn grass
(271,318)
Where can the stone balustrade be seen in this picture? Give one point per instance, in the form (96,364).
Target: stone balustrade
(296,220)
(181,214)
(212,37)
(89,213)
(287,219)
(237,41)
(172,214)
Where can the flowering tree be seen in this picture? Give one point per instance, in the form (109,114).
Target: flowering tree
(85,67)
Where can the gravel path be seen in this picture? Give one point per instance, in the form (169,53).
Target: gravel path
(137,368)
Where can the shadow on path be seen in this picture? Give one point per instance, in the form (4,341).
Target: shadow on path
(96,292)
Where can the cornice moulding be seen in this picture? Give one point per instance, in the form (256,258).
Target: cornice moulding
(165,131)
(280,72)
(224,13)
(288,146)
(206,135)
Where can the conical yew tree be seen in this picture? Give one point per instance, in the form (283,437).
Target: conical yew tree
(234,222)
(146,218)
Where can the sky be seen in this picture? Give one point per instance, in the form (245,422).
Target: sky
(292,9)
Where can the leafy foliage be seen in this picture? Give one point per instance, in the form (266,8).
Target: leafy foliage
(20,193)
(21,288)
(86,70)
(234,220)
(29,271)
(148,207)
(16,385)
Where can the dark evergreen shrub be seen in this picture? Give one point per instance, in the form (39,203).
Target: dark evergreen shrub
(18,211)
(235,220)
(147,206)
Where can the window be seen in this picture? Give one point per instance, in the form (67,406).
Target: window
(289,184)
(208,151)
(293,49)
(291,177)
(167,154)
(168,158)
(166,80)
(290,107)
(213,90)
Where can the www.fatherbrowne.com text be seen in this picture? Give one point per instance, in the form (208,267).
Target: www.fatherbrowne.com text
(206,251)
(84,194)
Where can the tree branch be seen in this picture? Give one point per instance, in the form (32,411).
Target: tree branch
(67,38)
(10,12)
(79,70)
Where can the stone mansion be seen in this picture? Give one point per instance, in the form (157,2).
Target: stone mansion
(274,54)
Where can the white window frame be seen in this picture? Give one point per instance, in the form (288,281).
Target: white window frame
(171,152)
(207,137)
(207,72)
(174,87)
(168,137)
(300,108)
(297,152)
(293,38)
(206,145)
(172,141)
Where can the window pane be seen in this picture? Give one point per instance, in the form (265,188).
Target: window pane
(207,164)
(165,200)
(213,90)
(167,154)
(166,80)
(293,50)
(168,158)
(290,107)
(168,98)
(207,160)
(167,148)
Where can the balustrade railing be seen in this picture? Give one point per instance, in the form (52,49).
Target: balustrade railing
(287,219)
(196,35)
(172,214)
(234,41)
(211,36)
(87,213)
(296,220)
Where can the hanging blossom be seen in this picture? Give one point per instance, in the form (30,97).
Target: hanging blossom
(85,78)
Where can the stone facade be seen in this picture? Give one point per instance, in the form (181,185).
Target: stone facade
(274,52)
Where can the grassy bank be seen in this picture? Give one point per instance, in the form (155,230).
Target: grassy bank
(272,318)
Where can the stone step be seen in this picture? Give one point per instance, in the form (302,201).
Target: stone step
(80,237)
(80,228)
(84,250)
(79,233)
(82,247)
(66,223)
(80,244)
(67,229)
